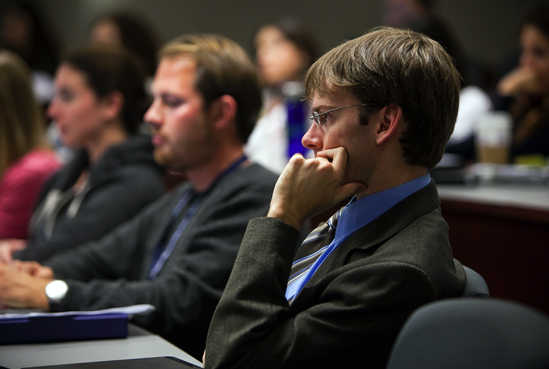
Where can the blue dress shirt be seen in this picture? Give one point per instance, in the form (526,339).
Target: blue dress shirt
(356,215)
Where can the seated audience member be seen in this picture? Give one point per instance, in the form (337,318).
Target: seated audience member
(529,85)
(421,16)
(178,253)
(356,278)
(25,30)
(285,49)
(131,31)
(26,160)
(98,106)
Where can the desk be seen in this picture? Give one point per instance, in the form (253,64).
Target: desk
(502,232)
(139,344)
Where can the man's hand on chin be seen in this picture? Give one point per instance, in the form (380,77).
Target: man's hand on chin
(21,290)
(308,186)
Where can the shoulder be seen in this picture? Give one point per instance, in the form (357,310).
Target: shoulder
(36,166)
(254,176)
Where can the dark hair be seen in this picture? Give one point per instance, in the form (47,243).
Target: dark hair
(295,31)
(428,5)
(222,68)
(108,69)
(539,18)
(42,50)
(402,67)
(137,35)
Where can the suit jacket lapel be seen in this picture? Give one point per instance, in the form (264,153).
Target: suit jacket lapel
(379,230)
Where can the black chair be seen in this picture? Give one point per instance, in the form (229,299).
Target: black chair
(475,286)
(473,333)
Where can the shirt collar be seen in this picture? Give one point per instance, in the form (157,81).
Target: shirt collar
(359,213)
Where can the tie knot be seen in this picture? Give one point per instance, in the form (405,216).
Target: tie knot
(334,219)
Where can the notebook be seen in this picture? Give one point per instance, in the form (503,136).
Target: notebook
(163,362)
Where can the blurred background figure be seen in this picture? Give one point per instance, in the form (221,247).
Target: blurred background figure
(26,160)
(528,84)
(25,31)
(284,50)
(98,105)
(131,31)
(421,16)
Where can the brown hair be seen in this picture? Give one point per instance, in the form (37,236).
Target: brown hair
(137,35)
(401,67)
(297,32)
(108,69)
(223,68)
(22,125)
(539,18)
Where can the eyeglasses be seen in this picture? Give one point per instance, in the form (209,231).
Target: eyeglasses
(321,119)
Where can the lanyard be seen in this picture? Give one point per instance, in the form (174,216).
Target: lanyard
(159,261)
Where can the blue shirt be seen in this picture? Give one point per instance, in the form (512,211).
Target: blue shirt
(356,215)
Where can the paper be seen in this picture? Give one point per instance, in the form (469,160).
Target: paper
(128,310)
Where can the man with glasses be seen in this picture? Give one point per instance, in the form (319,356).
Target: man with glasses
(384,106)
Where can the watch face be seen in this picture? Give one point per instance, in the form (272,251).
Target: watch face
(56,290)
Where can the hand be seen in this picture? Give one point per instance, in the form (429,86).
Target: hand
(8,247)
(518,81)
(34,269)
(308,186)
(21,290)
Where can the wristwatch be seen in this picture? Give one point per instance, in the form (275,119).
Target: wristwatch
(56,291)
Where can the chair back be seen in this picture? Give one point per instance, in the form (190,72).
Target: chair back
(473,333)
(475,286)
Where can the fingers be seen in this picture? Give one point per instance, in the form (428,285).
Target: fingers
(44,273)
(5,254)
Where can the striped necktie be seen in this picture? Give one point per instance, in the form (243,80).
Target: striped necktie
(312,248)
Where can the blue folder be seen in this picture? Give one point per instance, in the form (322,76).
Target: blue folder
(75,327)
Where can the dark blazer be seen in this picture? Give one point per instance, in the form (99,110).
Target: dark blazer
(113,271)
(123,181)
(351,310)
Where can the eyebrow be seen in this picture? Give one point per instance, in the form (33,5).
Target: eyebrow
(322,107)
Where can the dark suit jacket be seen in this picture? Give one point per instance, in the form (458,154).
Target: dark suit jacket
(113,271)
(351,310)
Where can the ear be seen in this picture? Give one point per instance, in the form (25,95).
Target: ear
(112,105)
(387,126)
(223,111)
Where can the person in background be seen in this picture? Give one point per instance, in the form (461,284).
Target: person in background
(177,254)
(130,30)
(421,16)
(384,106)
(284,51)
(529,85)
(98,107)
(26,159)
(25,31)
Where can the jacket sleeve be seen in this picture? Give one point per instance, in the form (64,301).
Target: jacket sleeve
(191,282)
(106,206)
(351,318)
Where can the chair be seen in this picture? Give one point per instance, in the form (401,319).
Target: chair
(475,285)
(473,333)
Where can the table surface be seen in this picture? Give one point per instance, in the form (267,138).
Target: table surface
(139,344)
(525,196)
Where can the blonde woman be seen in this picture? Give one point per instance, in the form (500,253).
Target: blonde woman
(26,160)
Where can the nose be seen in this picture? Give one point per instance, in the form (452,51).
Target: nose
(525,59)
(153,116)
(52,109)
(312,139)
